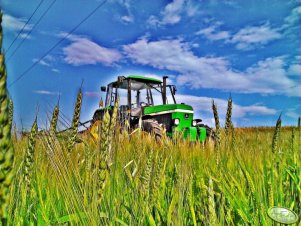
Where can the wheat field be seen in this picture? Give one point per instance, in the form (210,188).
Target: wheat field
(129,179)
(126,178)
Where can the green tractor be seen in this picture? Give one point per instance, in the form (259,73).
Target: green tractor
(145,100)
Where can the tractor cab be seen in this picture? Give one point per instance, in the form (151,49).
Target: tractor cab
(153,101)
(137,92)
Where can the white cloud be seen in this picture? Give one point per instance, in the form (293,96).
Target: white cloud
(42,62)
(173,13)
(295,69)
(245,39)
(292,114)
(203,108)
(127,19)
(266,77)
(83,51)
(211,33)
(92,94)
(46,61)
(15,24)
(205,104)
(250,37)
(25,36)
(46,92)
(294,17)
(55,70)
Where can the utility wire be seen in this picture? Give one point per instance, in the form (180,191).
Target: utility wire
(58,43)
(36,9)
(24,38)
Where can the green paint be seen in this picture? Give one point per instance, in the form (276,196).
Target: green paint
(185,127)
(202,132)
(144,79)
(184,121)
(166,107)
(190,133)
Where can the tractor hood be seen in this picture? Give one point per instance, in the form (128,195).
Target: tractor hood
(167,108)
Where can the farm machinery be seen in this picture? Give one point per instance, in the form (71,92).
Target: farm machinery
(144,102)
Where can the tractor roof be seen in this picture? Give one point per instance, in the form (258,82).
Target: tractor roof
(138,82)
(144,79)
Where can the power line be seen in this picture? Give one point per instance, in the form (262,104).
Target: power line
(24,38)
(58,43)
(36,9)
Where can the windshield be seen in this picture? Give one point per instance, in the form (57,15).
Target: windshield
(141,94)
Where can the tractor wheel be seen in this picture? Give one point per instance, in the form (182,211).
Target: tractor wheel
(153,127)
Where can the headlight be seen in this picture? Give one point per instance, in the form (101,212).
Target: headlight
(177,121)
(193,123)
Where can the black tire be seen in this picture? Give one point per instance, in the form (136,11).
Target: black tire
(153,127)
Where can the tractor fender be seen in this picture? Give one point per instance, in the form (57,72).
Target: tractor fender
(99,114)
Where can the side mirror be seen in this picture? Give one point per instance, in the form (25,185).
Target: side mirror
(103,89)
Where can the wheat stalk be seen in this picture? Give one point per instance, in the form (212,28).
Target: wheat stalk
(54,119)
(103,171)
(75,122)
(10,113)
(228,123)
(146,176)
(155,182)
(29,155)
(104,134)
(102,160)
(217,124)
(6,146)
(270,194)
(211,204)
(233,144)
(113,123)
(218,133)
(275,142)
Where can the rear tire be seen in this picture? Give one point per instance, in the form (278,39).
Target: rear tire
(153,127)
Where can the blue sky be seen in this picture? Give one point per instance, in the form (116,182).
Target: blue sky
(208,48)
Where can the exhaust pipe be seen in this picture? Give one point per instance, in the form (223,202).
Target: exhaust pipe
(164,89)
